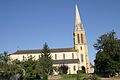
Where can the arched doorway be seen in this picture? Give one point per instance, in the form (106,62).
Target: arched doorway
(83,68)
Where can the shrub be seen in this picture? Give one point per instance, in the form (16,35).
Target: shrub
(79,71)
(63,69)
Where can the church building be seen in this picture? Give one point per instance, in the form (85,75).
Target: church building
(76,58)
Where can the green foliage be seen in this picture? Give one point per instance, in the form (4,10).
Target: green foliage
(63,69)
(45,62)
(29,69)
(37,69)
(9,70)
(4,57)
(80,71)
(82,77)
(81,74)
(108,54)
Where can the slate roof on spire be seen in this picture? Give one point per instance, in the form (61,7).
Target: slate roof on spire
(77,16)
(78,22)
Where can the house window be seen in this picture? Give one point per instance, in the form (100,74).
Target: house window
(78,38)
(72,55)
(81,47)
(63,56)
(82,58)
(82,41)
(55,56)
(23,58)
(74,68)
(69,70)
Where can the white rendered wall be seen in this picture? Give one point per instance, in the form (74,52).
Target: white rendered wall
(70,68)
(68,55)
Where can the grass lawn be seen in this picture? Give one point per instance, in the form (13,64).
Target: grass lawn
(71,76)
(68,79)
(110,79)
(74,77)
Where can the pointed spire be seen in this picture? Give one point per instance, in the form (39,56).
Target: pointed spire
(77,16)
(78,22)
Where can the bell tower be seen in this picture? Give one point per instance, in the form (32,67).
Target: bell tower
(80,43)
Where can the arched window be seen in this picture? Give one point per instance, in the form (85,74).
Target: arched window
(82,58)
(23,58)
(74,68)
(72,55)
(55,56)
(83,68)
(82,41)
(81,48)
(63,56)
(78,37)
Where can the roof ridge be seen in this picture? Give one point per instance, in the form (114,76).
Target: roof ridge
(52,50)
(41,49)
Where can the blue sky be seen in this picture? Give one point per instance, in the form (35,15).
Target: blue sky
(27,24)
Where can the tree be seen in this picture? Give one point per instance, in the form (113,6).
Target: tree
(8,70)
(108,54)
(4,57)
(63,69)
(45,62)
(29,68)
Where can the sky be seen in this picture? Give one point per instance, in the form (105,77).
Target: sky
(28,24)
